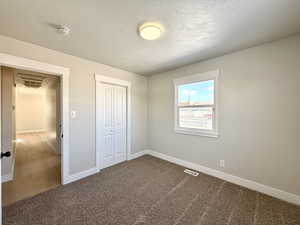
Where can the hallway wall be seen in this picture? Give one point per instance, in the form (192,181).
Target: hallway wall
(52,116)
(38,110)
(30,110)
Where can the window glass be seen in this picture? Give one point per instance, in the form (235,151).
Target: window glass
(196,117)
(199,93)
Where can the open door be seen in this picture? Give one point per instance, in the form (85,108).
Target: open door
(7,111)
(0,146)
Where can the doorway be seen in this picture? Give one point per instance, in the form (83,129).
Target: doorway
(7,60)
(113,121)
(31,132)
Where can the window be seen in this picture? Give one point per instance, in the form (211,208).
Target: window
(196,104)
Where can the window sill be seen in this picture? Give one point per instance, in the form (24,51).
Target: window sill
(197,133)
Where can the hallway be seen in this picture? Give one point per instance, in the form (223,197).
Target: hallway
(37,168)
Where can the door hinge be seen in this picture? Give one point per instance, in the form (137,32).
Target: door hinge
(62,135)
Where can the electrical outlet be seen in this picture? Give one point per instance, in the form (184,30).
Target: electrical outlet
(222,163)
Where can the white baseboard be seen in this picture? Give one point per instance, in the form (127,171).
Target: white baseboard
(7,177)
(137,154)
(30,131)
(277,193)
(92,171)
(81,175)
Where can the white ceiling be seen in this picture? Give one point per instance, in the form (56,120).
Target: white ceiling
(106,30)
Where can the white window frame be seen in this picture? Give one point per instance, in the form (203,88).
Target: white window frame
(211,75)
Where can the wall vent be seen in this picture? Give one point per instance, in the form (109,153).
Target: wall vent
(29,80)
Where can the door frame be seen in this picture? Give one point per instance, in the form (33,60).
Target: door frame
(127,85)
(63,73)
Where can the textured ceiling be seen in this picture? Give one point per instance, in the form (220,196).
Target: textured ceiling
(106,31)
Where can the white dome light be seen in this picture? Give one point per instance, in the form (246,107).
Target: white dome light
(151,31)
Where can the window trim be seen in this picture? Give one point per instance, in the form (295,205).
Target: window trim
(211,75)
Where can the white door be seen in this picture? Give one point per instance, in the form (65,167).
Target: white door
(112,124)
(0,145)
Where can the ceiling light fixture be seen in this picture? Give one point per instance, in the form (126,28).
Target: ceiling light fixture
(151,31)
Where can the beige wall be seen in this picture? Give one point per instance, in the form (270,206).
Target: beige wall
(259,115)
(82,99)
(52,117)
(30,113)
(37,110)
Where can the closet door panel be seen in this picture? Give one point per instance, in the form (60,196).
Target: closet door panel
(108,158)
(120,123)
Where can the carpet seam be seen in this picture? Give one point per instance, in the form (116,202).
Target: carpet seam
(256,209)
(186,209)
(212,201)
(235,207)
(180,183)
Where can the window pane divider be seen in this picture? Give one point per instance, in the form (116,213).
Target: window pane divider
(194,106)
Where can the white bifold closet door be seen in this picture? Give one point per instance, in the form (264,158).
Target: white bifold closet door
(113,125)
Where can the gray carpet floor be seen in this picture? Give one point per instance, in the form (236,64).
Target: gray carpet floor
(148,190)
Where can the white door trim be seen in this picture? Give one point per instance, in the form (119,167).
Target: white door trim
(127,84)
(28,64)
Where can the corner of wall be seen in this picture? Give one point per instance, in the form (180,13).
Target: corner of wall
(148,119)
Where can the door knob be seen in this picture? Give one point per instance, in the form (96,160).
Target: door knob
(5,154)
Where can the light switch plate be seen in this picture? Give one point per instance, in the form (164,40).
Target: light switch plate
(73,114)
